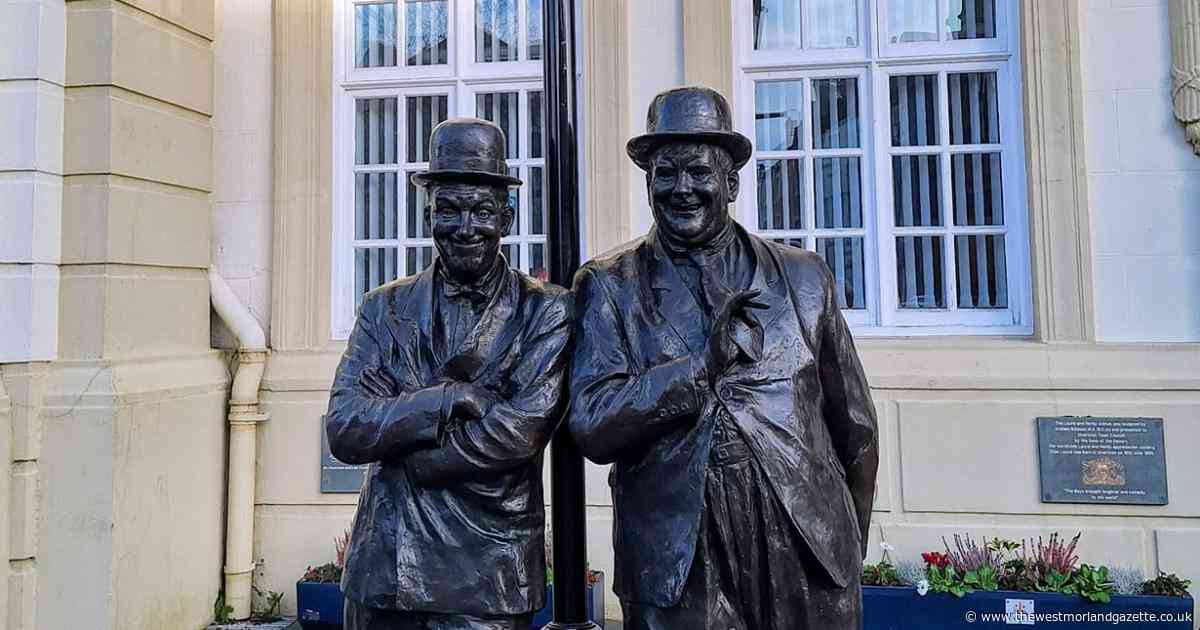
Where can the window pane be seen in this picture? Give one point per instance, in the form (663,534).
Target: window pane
(374,206)
(512,253)
(916,190)
(533,25)
(375,131)
(537,262)
(423,114)
(974,113)
(415,212)
(832,24)
(496,30)
(535,124)
(835,113)
(537,200)
(776,24)
(780,195)
(981,271)
(777,115)
(416,259)
(845,259)
(375,35)
(971,19)
(425,33)
(373,267)
(514,200)
(919,272)
(914,110)
(501,108)
(837,190)
(978,192)
(912,21)
(792,242)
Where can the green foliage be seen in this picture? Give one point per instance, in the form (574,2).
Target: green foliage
(1018,575)
(328,573)
(1092,583)
(882,574)
(1054,582)
(265,606)
(946,580)
(221,611)
(1003,546)
(982,579)
(1167,584)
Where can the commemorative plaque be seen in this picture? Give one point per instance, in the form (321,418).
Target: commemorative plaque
(336,476)
(1102,460)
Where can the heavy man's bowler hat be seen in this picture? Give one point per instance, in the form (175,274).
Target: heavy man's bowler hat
(689,114)
(467,150)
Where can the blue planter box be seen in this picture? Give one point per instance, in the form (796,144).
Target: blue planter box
(896,608)
(595,604)
(320,606)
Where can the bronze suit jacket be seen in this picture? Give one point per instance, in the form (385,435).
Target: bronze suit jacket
(457,528)
(805,410)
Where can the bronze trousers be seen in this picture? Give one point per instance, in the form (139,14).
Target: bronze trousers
(752,570)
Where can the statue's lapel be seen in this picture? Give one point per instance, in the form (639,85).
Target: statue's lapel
(674,301)
(410,321)
(493,332)
(767,278)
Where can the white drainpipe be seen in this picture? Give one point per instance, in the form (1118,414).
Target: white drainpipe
(244,416)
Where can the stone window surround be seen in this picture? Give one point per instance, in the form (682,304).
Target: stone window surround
(1061,354)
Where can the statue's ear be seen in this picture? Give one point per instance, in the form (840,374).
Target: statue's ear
(507,216)
(733,182)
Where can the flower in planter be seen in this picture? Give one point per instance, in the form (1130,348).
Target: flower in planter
(923,588)
(936,559)
(330,572)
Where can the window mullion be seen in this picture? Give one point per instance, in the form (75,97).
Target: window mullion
(886,263)
(807,164)
(949,263)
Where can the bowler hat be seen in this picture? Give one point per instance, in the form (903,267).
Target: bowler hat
(467,150)
(689,114)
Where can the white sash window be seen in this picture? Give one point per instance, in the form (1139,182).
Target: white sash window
(888,139)
(400,68)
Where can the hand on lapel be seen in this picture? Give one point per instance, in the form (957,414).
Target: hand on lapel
(736,333)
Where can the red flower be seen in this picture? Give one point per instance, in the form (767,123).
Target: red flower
(936,559)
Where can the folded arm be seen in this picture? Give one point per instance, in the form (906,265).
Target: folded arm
(614,408)
(363,427)
(513,431)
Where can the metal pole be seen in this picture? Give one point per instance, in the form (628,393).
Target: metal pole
(569,527)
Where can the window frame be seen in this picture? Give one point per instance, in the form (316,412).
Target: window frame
(747,205)
(460,79)
(877,62)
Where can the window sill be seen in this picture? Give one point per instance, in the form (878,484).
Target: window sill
(1024,363)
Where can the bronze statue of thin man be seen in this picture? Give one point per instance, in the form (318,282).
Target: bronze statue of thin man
(451,384)
(714,370)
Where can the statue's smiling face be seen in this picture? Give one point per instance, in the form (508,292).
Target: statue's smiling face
(467,222)
(691,186)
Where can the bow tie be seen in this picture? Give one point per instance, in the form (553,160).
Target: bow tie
(462,292)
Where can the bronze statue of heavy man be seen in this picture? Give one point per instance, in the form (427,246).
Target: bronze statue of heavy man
(714,370)
(452,382)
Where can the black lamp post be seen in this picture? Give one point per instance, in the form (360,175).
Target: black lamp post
(569,527)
